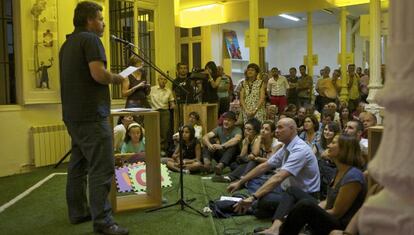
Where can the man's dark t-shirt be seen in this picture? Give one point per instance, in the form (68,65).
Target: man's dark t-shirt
(83,99)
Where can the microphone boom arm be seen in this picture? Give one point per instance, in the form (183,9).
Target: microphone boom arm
(130,47)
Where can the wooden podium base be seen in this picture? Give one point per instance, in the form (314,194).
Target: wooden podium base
(208,115)
(152,198)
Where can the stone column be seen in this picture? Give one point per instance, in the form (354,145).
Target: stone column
(254,31)
(392,210)
(375,57)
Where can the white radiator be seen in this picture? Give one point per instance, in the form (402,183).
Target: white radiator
(49,144)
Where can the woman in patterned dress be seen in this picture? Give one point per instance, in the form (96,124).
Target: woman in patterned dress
(252,95)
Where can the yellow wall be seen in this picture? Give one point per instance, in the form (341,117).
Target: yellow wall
(16,120)
(233,11)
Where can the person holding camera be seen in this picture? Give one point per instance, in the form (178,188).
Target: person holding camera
(210,84)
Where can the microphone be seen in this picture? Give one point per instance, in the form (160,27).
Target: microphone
(116,39)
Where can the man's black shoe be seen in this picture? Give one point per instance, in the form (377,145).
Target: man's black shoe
(113,229)
(81,220)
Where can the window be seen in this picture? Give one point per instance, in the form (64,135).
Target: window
(183,32)
(7,75)
(121,17)
(146,40)
(184,53)
(191,52)
(197,55)
(123,25)
(196,31)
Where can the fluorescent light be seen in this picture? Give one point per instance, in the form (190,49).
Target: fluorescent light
(289,17)
(201,8)
(330,12)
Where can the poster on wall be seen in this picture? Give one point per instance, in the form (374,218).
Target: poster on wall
(232,44)
(42,66)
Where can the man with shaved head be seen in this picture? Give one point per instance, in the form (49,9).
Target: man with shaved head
(296,166)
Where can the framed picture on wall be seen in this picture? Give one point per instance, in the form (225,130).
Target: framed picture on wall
(41,72)
(232,44)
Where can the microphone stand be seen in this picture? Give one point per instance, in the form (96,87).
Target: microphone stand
(182,202)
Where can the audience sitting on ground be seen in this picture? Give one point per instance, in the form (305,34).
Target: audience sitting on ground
(310,132)
(249,152)
(326,167)
(191,153)
(310,110)
(346,194)
(222,144)
(291,110)
(345,116)
(329,132)
(327,117)
(194,121)
(271,113)
(355,128)
(268,143)
(333,108)
(134,141)
(359,109)
(368,120)
(299,118)
(353,228)
(120,131)
(295,161)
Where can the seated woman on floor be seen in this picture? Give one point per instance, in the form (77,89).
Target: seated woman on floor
(326,167)
(134,141)
(191,153)
(265,146)
(310,130)
(329,132)
(250,148)
(346,194)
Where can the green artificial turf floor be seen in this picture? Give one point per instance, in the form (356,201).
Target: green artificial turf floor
(44,212)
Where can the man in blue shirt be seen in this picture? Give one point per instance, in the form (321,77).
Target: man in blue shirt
(296,166)
(86,106)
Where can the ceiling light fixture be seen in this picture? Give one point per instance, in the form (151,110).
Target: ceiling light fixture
(289,17)
(201,8)
(330,12)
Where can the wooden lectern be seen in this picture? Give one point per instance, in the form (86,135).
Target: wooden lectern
(374,141)
(152,198)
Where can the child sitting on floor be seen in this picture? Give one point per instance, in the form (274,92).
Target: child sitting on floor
(191,153)
(134,141)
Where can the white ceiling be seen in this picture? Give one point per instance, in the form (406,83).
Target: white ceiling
(331,16)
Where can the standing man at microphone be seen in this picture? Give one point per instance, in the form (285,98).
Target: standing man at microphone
(86,106)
